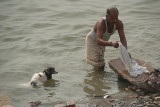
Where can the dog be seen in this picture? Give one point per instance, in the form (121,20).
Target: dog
(42,77)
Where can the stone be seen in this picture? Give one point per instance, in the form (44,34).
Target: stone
(60,105)
(70,104)
(151,105)
(111,100)
(35,103)
(5,101)
(157,98)
(140,81)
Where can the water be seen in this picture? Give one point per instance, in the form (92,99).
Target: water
(37,34)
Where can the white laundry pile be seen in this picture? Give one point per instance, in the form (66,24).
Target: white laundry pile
(131,65)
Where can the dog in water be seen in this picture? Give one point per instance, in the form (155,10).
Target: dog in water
(42,77)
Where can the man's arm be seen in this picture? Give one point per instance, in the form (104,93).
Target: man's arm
(121,34)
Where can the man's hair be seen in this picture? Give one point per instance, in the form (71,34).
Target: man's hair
(109,10)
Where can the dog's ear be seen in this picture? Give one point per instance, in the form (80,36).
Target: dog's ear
(48,74)
(45,71)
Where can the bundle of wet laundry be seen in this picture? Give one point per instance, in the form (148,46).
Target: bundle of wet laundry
(130,64)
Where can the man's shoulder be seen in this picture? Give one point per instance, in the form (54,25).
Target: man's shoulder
(101,22)
(119,24)
(100,25)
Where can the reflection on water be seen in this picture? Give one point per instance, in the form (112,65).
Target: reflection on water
(122,83)
(51,83)
(95,83)
(100,83)
(49,86)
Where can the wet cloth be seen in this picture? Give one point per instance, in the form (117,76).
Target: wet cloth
(131,65)
(94,51)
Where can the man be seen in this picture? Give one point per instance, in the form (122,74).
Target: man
(98,37)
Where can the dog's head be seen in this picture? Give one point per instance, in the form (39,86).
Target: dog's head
(49,71)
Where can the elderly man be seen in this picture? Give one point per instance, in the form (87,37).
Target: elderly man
(98,37)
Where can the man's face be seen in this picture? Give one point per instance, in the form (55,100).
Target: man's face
(113,18)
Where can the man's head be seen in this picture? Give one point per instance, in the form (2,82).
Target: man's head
(112,14)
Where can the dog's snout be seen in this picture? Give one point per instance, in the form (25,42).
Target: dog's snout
(55,72)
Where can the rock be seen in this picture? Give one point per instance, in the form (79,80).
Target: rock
(5,101)
(157,98)
(131,96)
(111,100)
(68,104)
(60,105)
(156,102)
(71,105)
(127,89)
(35,104)
(151,105)
(140,81)
(7,106)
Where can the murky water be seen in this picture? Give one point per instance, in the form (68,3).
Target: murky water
(38,34)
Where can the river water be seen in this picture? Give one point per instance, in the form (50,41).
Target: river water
(35,34)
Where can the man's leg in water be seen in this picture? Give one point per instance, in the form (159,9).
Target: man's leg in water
(99,68)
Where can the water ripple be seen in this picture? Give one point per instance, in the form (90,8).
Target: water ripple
(3,17)
(42,25)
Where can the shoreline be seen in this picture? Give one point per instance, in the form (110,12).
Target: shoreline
(129,97)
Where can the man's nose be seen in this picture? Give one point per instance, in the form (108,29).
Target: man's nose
(115,20)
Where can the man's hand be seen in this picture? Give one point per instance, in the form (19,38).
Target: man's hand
(129,55)
(115,44)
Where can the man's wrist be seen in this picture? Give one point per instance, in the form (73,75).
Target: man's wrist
(111,43)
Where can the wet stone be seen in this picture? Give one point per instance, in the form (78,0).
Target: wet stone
(151,105)
(5,101)
(157,98)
